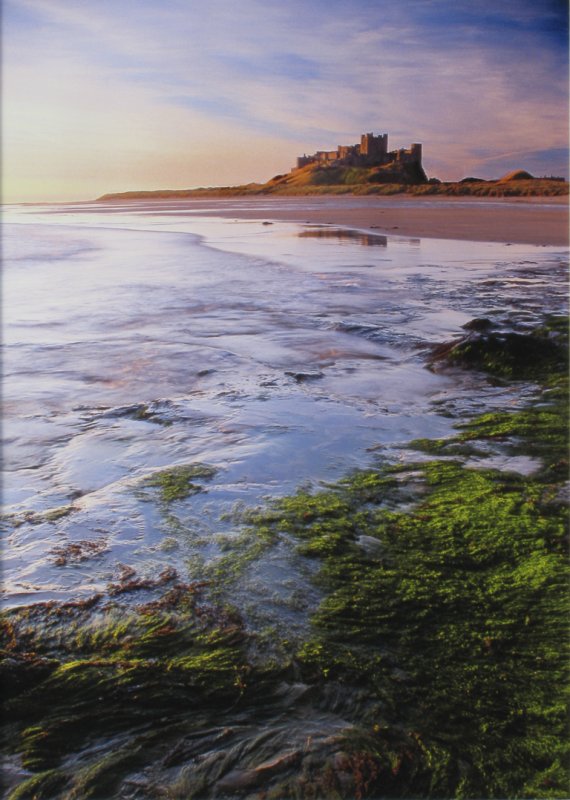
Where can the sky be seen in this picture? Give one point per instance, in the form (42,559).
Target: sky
(113,95)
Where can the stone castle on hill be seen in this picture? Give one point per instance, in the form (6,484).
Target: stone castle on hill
(371,152)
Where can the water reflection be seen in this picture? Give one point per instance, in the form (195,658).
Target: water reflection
(341,235)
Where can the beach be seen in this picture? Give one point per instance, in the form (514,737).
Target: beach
(521,220)
(246,492)
(298,335)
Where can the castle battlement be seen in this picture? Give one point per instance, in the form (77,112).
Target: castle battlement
(371,152)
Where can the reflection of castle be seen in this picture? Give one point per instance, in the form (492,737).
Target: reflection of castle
(340,234)
(371,152)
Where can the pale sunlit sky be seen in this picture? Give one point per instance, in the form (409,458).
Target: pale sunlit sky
(109,95)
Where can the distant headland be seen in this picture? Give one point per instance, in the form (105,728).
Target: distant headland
(367,168)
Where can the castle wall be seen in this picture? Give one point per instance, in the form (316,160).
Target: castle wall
(326,155)
(372,151)
(348,151)
(411,156)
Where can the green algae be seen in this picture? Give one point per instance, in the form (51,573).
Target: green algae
(510,355)
(458,631)
(38,517)
(540,430)
(144,413)
(441,638)
(102,778)
(238,551)
(452,447)
(43,785)
(455,625)
(178,483)
(108,669)
(520,356)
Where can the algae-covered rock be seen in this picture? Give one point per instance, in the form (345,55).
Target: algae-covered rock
(508,354)
(435,666)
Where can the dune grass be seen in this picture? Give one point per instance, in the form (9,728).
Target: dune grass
(317,180)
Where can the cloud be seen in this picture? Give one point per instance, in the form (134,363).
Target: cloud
(146,86)
(550,161)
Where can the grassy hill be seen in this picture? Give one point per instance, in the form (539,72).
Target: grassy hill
(315,179)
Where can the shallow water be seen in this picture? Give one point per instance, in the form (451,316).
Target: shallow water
(280,354)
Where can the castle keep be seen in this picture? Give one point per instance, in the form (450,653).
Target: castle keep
(371,152)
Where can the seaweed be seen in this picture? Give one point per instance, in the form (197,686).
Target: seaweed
(532,355)
(457,628)
(81,673)
(77,552)
(440,642)
(51,515)
(178,483)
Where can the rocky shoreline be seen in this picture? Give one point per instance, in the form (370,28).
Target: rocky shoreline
(435,665)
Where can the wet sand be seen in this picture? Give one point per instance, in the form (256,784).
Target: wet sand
(540,221)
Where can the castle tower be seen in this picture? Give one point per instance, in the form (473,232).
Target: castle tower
(374,148)
(416,151)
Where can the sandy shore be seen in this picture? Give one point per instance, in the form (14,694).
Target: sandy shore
(541,221)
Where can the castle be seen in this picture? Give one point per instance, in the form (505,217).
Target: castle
(371,152)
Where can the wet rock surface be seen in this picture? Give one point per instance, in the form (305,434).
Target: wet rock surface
(508,354)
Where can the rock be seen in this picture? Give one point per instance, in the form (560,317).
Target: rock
(239,780)
(372,546)
(301,377)
(517,356)
(479,324)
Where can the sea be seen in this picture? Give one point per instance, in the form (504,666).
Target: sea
(141,338)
